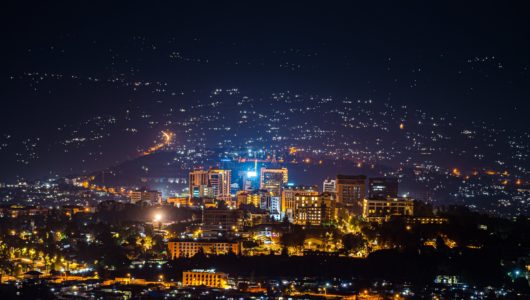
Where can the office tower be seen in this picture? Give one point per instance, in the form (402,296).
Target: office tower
(351,191)
(382,209)
(382,188)
(213,183)
(329,186)
(288,205)
(273,180)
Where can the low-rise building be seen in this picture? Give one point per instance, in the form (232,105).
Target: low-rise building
(147,196)
(188,248)
(179,201)
(382,209)
(209,278)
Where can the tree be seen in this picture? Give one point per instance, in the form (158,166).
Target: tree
(353,242)
(6,266)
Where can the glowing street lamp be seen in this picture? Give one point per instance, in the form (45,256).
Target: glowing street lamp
(158,219)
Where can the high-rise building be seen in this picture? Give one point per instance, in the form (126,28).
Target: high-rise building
(288,207)
(382,209)
(329,186)
(214,183)
(351,191)
(273,180)
(382,188)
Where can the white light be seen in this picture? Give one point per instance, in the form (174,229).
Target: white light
(251,174)
(158,217)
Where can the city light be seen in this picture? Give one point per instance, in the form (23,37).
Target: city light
(345,150)
(158,217)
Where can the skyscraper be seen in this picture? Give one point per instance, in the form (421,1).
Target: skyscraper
(273,180)
(351,191)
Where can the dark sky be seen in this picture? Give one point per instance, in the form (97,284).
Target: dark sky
(467,59)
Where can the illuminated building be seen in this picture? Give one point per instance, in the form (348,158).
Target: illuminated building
(248,198)
(329,186)
(188,248)
(273,206)
(15,211)
(178,201)
(250,178)
(208,278)
(288,206)
(273,180)
(314,210)
(214,183)
(382,209)
(351,190)
(219,221)
(382,188)
(147,196)
(426,220)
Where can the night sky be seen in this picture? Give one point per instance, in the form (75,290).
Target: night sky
(65,65)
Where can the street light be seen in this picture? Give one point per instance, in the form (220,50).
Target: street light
(158,219)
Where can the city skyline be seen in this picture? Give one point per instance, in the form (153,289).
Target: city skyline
(271,150)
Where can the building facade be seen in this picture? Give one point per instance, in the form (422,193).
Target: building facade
(151,197)
(382,187)
(329,186)
(288,205)
(351,190)
(209,278)
(382,209)
(188,248)
(314,210)
(217,221)
(213,183)
(273,180)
